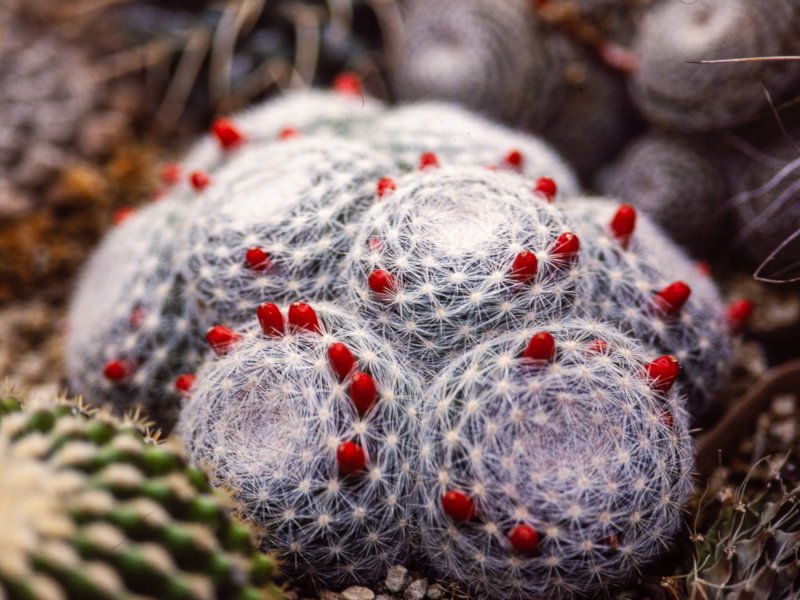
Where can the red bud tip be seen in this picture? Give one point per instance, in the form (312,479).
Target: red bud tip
(385,186)
(288,133)
(221,339)
(227,134)
(546,187)
(662,372)
(184,382)
(382,282)
(597,347)
(121,215)
(341,359)
(351,458)
(116,370)
(523,538)
(541,347)
(738,314)
(348,83)
(257,259)
(668,419)
(623,224)
(566,246)
(458,506)
(302,316)
(270,319)
(199,180)
(428,160)
(363,392)
(514,160)
(525,266)
(171,173)
(671,299)
(612,542)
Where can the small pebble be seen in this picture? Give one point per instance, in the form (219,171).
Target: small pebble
(397,579)
(358,593)
(416,591)
(329,595)
(435,592)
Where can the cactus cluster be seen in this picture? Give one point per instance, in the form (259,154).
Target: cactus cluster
(500,58)
(652,75)
(456,353)
(94,507)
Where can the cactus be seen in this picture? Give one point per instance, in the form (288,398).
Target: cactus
(278,223)
(129,344)
(458,137)
(696,97)
(311,421)
(648,287)
(462,249)
(501,59)
(93,507)
(478,52)
(437,267)
(674,180)
(551,472)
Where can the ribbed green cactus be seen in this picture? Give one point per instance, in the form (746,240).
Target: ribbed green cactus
(94,507)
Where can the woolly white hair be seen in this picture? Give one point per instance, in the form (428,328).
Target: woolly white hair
(580,449)
(147,295)
(129,306)
(459,137)
(449,237)
(309,112)
(300,201)
(671,92)
(623,289)
(267,419)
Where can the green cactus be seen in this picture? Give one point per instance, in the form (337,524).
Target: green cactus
(95,507)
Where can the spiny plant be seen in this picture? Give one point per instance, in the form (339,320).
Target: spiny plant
(501,59)
(554,462)
(277,224)
(130,345)
(437,267)
(482,53)
(745,541)
(457,137)
(646,286)
(95,507)
(674,180)
(700,97)
(310,419)
(460,246)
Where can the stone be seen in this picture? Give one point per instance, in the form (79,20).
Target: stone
(397,579)
(435,592)
(417,590)
(357,592)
